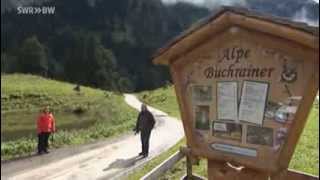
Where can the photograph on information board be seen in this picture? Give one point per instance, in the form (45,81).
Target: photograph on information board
(227,130)
(259,135)
(202,93)
(202,117)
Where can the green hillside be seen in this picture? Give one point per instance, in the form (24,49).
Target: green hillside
(27,92)
(305,158)
(162,98)
(81,117)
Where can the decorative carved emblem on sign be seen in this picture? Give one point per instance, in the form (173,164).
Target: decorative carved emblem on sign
(289,72)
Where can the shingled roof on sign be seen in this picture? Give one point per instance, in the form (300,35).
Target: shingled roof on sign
(281,22)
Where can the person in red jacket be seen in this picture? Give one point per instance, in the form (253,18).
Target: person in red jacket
(45,126)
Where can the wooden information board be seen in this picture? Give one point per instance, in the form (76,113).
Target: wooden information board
(245,85)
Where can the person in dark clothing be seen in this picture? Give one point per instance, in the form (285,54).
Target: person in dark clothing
(144,125)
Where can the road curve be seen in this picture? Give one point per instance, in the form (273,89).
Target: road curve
(106,161)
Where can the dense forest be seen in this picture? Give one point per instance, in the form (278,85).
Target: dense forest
(108,43)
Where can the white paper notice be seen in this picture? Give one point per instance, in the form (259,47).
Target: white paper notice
(220,126)
(227,98)
(253,102)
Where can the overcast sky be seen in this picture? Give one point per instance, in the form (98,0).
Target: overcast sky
(198,1)
(209,3)
(300,16)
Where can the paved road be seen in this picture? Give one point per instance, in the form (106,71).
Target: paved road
(104,160)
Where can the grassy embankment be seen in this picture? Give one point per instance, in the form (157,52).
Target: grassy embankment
(306,156)
(100,113)
(163,99)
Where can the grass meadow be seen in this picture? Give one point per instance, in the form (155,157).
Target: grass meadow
(81,117)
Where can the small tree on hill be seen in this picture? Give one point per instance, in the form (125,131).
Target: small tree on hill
(32,57)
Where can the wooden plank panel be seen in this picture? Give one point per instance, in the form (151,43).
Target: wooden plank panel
(163,167)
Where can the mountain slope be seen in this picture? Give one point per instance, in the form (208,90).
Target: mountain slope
(131,30)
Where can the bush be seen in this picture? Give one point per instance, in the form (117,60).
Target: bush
(80,109)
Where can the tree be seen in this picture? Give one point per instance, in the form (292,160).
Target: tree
(103,65)
(75,57)
(125,85)
(4,63)
(89,62)
(32,57)
(8,63)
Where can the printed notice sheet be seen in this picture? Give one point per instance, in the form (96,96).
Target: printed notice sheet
(227,98)
(253,102)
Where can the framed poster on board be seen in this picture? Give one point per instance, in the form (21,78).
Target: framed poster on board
(253,101)
(227,100)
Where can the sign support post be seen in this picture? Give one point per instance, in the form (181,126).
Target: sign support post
(189,168)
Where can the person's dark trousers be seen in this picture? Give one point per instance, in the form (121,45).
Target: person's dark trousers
(43,142)
(40,143)
(145,136)
(46,141)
